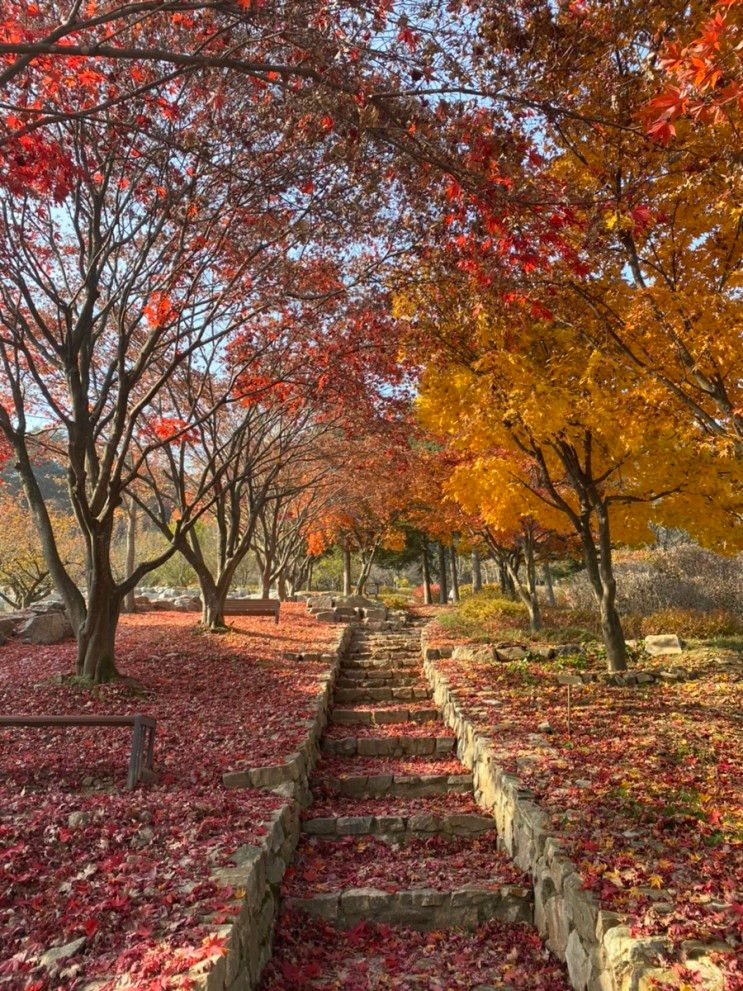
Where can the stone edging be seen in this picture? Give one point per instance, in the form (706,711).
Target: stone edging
(258,870)
(596,944)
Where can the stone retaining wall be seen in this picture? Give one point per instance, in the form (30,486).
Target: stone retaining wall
(258,871)
(596,944)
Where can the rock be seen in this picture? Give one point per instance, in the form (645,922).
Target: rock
(578,961)
(58,953)
(543,650)
(515,653)
(568,650)
(9,623)
(50,627)
(79,819)
(477,653)
(666,643)
(545,727)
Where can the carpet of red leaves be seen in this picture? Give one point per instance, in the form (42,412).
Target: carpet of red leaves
(130,871)
(646,790)
(341,731)
(310,955)
(342,766)
(441,862)
(393,805)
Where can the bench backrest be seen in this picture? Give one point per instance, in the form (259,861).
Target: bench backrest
(28,719)
(253,604)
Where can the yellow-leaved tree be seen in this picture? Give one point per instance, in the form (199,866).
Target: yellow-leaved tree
(572,428)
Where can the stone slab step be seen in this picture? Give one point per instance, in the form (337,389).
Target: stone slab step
(404,785)
(369,663)
(368,677)
(419,825)
(389,746)
(420,908)
(404,694)
(383,717)
(411,681)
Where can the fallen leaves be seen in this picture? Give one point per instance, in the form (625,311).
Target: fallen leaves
(130,872)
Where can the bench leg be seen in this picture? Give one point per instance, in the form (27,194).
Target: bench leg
(135,758)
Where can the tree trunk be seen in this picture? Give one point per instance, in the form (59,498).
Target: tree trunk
(503,579)
(476,572)
(131,553)
(454,574)
(266,584)
(427,597)
(443,590)
(528,594)
(281,586)
(212,603)
(346,569)
(548,586)
(96,638)
(601,575)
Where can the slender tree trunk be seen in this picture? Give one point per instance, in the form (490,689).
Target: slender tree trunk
(503,579)
(346,569)
(443,590)
(266,584)
(528,594)
(310,569)
(476,572)
(601,576)
(454,574)
(427,598)
(281,586)
(548,586)
(131,553)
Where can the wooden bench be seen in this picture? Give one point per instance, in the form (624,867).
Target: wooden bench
(143,736)
(252,607)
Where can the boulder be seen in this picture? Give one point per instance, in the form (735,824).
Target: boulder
(512,653)
(474,652)
(666,643)
(568,650)
(8,623)
(187,603)
(51,627)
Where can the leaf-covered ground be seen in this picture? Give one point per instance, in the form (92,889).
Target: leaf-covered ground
(130,872)
(341,731)
(310,955)
(646,789)
(441,862)
(393,805)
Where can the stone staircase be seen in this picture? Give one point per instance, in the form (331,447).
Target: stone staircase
(393,835)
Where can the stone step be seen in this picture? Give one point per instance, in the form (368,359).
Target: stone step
(403,785)
(378,676)
(420,908)
(404,694)
(389,746)
(400,827)
(409,681)
(367,663)
(383,717)
(383,655)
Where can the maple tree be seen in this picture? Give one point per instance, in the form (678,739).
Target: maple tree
(151,264)
(539,407)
